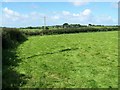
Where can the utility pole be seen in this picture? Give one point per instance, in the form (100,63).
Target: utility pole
(44,22)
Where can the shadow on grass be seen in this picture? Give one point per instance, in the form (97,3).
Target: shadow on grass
(63,50)
(10,77)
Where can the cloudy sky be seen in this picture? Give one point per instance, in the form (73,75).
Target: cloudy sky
(22,14)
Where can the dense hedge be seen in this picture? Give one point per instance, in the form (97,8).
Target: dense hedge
(68,30)
(11,37)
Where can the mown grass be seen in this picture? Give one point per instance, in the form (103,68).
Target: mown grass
(84,60)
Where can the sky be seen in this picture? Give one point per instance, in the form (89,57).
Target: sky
(23,14)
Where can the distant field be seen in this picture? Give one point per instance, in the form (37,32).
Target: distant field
(84,60)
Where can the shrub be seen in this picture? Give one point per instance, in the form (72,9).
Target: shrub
(11,37)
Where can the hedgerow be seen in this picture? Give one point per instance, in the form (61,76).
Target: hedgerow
(11,37)
(69,30)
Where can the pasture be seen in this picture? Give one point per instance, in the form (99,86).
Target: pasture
(83,60)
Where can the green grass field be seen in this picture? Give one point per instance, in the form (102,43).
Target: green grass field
(84,60)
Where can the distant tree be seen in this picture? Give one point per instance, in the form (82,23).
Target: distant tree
(29,27)
(42,27)
(47,28)
(93,25)
(89,24)
(65,25)
(71,25)
(79,25)
(58,26)
(74,25)
(99,25)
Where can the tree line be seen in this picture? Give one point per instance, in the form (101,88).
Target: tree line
(65,25)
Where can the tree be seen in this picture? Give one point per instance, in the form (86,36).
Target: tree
(65,25)
(89,24)
(79,25)
(58,26)
(47,28)
(30,27)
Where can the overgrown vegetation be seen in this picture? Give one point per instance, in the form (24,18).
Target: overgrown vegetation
(11,38)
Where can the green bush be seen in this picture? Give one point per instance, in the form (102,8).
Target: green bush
(11,37)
